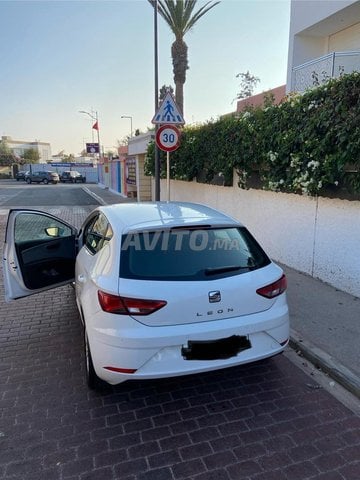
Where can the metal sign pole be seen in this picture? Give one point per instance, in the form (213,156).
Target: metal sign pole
(157,151)
(168,175)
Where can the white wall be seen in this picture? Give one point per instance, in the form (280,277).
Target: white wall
(91,173)
(347,39)
(138,145)
(318,236)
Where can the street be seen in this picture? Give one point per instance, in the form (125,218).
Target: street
(264,421)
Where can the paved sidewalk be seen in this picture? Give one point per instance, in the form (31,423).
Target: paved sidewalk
(325,327)
(325,322)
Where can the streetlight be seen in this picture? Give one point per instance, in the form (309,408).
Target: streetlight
(128,116)
(154,3)
(96,119)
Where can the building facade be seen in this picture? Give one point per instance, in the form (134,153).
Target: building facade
(125,174)
(277,94)
(324,42)
(18,148)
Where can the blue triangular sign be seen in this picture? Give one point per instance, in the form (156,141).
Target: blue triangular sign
(168,112)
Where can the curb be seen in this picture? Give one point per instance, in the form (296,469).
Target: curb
(328,364)
(92,194)
(114,197)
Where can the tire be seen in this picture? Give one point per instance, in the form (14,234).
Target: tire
(28,181)
(92,380)
(45,181)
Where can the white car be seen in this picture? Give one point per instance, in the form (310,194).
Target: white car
(163,288)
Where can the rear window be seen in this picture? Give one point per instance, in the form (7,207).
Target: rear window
(190,254)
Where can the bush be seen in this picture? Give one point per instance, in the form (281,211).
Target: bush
(307,144)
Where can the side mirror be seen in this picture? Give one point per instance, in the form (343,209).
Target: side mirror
(53,231)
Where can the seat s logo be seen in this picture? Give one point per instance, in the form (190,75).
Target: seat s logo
(215,296)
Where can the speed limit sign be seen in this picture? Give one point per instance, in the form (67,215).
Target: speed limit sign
(168,138)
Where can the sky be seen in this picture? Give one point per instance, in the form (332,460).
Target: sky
(60,57)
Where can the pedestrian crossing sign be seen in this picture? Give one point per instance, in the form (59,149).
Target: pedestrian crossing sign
(168,112)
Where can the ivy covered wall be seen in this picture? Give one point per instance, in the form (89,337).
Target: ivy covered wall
(309,144)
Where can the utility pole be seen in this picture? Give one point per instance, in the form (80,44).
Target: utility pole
(157,150)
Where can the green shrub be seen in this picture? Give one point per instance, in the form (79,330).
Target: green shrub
(304,145)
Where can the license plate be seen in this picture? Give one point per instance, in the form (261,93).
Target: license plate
(220,349)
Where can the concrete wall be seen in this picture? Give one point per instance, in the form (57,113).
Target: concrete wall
(137,147)
(143,181)
(318,236)
(346,40)
(91,173)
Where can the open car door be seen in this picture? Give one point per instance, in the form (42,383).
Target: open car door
(39,253)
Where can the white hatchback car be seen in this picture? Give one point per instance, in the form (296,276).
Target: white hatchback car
(163,288)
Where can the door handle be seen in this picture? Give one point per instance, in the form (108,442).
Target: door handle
(81,278)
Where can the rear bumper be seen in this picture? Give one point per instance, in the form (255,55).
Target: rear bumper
(155,352)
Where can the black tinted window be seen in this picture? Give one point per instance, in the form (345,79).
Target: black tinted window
(97,233)
(190,254)
(34,226)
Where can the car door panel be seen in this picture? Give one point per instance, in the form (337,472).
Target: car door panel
(47,263)
(35,261)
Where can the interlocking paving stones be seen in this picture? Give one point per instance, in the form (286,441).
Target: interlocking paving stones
(253,422)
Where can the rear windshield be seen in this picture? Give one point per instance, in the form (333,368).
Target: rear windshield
(190,254)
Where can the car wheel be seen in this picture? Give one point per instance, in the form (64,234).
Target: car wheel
(45,181)
(92,380)
(28,180)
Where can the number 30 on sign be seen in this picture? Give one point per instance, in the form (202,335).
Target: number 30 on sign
(168,138)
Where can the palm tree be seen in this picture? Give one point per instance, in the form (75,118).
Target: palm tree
(180,16)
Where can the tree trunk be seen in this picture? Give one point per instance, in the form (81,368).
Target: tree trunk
(179,96)
(180,65)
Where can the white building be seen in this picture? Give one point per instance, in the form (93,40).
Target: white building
(18,147)
(324,41)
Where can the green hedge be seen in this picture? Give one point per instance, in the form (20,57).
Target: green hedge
(309,144)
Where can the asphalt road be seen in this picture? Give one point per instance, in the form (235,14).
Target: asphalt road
(18,194)
(264,421)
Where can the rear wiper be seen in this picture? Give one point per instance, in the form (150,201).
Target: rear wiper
(229,268)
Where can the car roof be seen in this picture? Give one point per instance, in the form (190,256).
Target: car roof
(145,215)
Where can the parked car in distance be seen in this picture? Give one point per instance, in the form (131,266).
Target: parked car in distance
(21,175)
(162,288)
(72,176)
(42,177)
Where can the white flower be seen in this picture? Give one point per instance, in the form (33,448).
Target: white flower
(273,186)
(272,156)
(313,164)
(295,160)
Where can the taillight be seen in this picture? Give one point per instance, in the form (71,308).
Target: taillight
(128,306)
(274,289)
